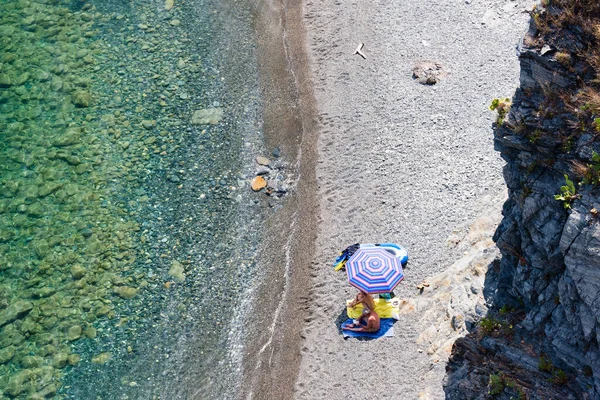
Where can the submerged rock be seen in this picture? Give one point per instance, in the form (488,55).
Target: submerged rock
(60,360)
(16,382)
(6,354)
(148,123)
(207,116)
(82,98)
(177,272)
(5,81)
(125,292)
(74,332)
(101,358)
(68,138)
(15,311)
(77,271)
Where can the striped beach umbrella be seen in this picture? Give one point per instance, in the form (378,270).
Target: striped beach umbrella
(374,270)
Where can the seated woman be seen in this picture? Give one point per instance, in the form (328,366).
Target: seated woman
(372,322)
(365,298)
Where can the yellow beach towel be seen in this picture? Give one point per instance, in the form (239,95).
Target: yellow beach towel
(384,308)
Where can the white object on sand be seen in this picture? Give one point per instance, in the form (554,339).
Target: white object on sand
(359,52)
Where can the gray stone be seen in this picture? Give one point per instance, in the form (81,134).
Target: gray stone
(550,253)
(263,170)
(429,72)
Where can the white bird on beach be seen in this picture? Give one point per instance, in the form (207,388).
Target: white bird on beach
(359,52)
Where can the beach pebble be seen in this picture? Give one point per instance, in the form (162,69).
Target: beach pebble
(169,4)
(260,160)
(258,183)
(262,170)
(148,123)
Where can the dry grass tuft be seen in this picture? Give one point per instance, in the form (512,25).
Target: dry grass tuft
(572,27)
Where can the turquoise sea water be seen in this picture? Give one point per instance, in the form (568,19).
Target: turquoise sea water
(128,230)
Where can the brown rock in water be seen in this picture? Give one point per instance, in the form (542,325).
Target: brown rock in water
(258,183)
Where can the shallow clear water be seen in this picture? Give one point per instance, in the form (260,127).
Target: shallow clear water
(129,232)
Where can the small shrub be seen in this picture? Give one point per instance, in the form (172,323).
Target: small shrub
(506,309)
(567,193)
(545,364)
(563,58)
(559,377)
(592,172)
(489,325)
(535,136)
(521,394)
(502,106)
(496,384)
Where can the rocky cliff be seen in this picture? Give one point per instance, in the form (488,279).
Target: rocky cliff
(542,339)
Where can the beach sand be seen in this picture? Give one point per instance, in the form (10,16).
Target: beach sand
(400,162)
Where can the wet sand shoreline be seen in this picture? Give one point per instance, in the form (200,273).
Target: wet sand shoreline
(272,354)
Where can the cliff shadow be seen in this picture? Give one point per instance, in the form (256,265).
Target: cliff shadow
(500,359)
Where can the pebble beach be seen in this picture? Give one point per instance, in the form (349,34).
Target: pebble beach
(399,161)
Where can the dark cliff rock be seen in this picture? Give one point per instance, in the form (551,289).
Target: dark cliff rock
(547,347)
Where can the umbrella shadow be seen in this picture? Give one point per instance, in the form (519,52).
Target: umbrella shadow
(340,320)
